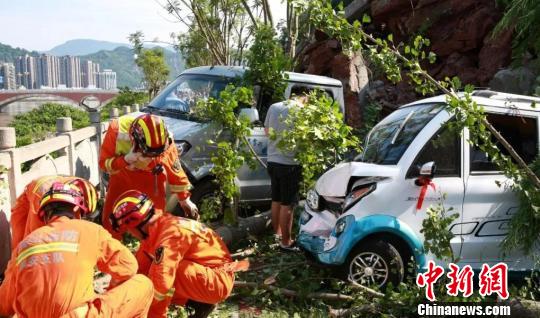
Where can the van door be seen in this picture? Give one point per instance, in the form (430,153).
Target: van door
(489,201)
(446,150)
(255,183)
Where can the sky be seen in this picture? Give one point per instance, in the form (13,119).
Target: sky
(43,24)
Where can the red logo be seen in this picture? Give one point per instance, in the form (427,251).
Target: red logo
(494,280)
(460,280)
(491,280)
(429,278)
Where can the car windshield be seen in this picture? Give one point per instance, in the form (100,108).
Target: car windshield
(387,141)
(182,94)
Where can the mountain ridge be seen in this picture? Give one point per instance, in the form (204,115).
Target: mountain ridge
(79,47)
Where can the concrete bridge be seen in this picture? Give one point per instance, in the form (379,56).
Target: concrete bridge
(95,97)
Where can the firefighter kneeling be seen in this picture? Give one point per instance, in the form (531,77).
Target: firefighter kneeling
(188,262)
(51,271)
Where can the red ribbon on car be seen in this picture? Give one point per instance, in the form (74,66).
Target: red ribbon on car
(424,183)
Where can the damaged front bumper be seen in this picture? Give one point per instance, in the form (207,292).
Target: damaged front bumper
(324,236)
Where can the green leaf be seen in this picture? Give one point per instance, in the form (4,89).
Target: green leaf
(366,18)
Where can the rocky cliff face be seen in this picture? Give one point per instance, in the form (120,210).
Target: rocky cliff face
(460,32)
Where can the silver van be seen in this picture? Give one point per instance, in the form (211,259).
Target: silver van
(174,104)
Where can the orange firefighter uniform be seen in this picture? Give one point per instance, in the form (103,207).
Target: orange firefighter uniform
(186,261)
(52,269)
(150,180)
(24,214)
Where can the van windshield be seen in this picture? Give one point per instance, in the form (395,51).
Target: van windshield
(182,94)
(389,139)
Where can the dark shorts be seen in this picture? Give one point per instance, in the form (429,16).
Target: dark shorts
(285,181)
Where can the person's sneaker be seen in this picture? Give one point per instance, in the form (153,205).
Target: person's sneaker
(277,238)
(289,248)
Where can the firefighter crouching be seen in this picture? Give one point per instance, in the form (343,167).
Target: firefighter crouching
(51,271)
(187,262)
(139,153)
(24,214)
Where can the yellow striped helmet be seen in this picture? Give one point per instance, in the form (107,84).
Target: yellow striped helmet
(132,209)
(149,135)
(91,196)
(62,193)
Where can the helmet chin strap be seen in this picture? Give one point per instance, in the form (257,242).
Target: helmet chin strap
(143,223)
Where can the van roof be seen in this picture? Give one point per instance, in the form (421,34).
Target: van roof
(489,98)
(235,71)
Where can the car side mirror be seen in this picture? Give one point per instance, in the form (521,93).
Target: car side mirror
(251,114)
(427,171)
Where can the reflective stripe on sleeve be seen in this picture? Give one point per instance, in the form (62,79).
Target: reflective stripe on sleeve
(159,296)
(108,164)
(179,188)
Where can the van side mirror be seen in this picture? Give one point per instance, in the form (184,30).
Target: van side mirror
(428,169)
(252,114)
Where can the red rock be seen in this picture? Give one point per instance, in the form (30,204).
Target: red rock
(385,7)
(494,55)
(460,34)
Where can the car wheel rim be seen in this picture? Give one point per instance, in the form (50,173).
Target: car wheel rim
(368,269)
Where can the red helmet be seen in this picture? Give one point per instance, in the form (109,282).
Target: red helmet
(65,193)
(132,209)
(91,196)
(149,135)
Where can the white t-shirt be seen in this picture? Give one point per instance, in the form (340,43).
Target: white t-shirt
(275,119)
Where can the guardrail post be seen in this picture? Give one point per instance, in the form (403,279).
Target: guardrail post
(95,119)
(8,194)
(135,108)
(64,125)
(8,141)
(7,138)
(113,114)
(126,110)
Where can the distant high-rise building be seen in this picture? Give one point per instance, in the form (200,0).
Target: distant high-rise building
(48,71)
(107,79)
(96,69)
(70,71)
(25,70)
(73,71)
(88,69)
(8,77)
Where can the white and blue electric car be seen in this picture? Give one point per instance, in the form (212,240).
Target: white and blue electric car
(362,215)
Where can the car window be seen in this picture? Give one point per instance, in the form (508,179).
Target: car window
(519,131)
(389,139)
(186,90)
(444,148)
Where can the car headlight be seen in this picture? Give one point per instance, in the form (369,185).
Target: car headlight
(305,217)
(356,195)
(340,226)
(183,146)
(312,199)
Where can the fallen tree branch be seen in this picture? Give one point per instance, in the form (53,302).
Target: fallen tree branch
(253,225)
(244,253)
(523,308)
(366,289)
(292,293)
(260,267)
(362,311)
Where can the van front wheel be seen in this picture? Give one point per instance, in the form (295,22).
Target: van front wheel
(374,263)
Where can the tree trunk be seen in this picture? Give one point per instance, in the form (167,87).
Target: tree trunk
(254,225)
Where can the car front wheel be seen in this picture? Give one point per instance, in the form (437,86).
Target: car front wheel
(374,263)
